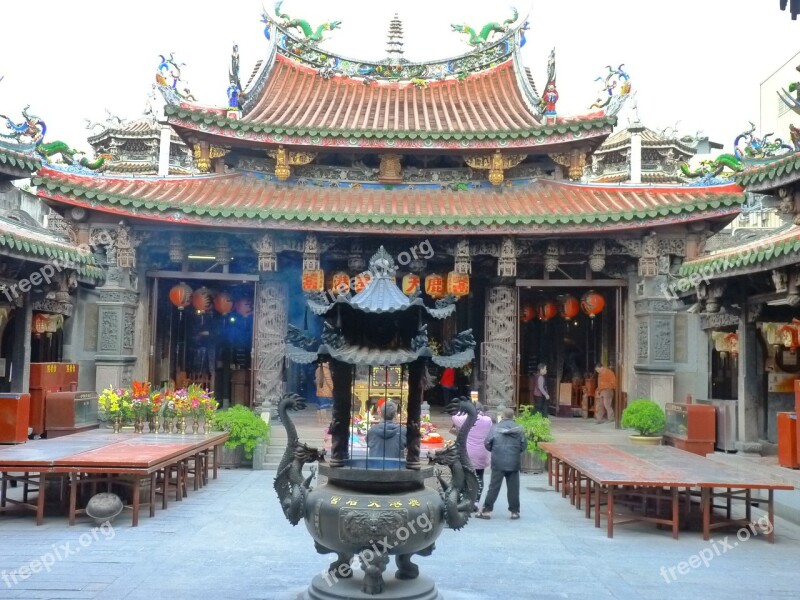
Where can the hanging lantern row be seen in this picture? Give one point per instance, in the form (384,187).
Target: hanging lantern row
(436,286)
(182,296)
(411,284)
(567,306)
(223,303)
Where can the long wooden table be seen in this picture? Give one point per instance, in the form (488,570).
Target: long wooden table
(124,457)
(658,472)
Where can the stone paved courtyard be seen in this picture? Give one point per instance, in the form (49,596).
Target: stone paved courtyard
(230,540)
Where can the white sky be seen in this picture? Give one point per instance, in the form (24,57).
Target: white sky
(699,62)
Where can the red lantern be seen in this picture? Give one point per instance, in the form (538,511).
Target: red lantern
(547,310)
(201,300)
(340,283)
(180,295)
(361,281)
(410,284)
(243,307)
(568,307)
(527,313)
(434,286)
(39,323)
(457,284)
(592,303)
(314,281)
(223,303)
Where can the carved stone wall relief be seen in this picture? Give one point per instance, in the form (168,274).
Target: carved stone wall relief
(642,338)
(662,339)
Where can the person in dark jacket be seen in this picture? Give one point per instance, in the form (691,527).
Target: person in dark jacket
(386,439)
(506,441)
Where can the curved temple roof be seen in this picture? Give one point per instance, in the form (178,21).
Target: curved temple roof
(248,201)
(304,96)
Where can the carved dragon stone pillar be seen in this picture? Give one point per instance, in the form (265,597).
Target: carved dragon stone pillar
(499,352)
(271,319)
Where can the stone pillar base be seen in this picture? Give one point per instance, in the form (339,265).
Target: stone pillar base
(114,371)
(750,448)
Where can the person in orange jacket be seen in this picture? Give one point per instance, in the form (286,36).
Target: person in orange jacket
(604,396)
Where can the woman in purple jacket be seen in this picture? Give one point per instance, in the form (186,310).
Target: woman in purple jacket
(478,454)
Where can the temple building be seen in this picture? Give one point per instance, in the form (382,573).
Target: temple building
(462,169)
(45,277)
(637,154)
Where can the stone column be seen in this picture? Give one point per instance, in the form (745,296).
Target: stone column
(21,353)
(750,400)
(499,355)
(654,332)
(271,320)
(342,375)
(165,139)
(416,371)
(116,310)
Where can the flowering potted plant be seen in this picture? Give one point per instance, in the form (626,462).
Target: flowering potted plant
(140,403)
(183,408)
(197,398)
(156,408)
(115,405)
(168,410)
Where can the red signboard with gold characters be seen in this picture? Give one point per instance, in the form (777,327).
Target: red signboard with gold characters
(313,281)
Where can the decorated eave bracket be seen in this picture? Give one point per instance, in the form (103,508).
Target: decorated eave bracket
(286,159)
(496,164)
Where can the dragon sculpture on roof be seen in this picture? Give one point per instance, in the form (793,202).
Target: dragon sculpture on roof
(480,38)
(747,146)
(311,34)
(32,129)
(616,85)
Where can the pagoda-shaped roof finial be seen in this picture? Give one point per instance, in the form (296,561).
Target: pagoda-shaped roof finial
(394,40)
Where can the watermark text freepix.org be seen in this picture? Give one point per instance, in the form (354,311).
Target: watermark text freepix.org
(57,553)
(47,272)
(380,548)
(716,548)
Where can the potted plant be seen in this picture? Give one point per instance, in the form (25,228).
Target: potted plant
(647,418)
(537,429)
(245,430)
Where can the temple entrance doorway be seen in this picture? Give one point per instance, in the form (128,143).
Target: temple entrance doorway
(204,335)
(568,328)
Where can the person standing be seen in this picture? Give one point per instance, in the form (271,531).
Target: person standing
(479,456)
(324,392)
(506,441)
(541,397)
(604,398)
(448,383)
